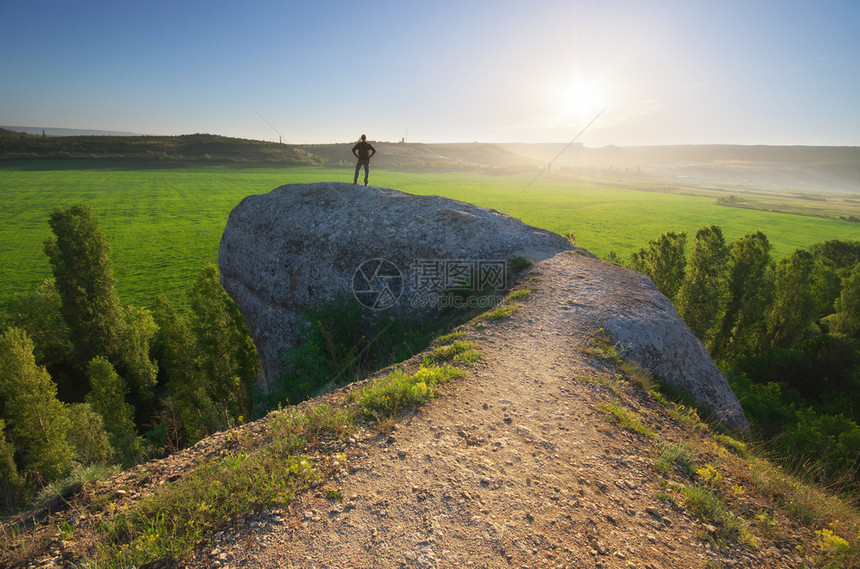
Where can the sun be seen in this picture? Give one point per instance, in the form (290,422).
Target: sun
(580,99)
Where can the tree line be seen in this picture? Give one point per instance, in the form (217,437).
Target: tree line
(85,380)
(786,334)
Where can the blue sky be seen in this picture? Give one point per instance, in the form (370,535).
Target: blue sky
(666,72)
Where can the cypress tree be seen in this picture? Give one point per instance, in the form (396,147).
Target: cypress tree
(663,261)
(699,296)
(746,297)
(135,340)
(107,398)
(847,317)
(79,256)
(185,382)
(794,304)
(88,436)
(39,422)
(228,359)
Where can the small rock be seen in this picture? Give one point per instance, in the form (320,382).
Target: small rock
(654,512)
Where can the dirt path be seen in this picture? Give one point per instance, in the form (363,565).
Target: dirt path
(511,467)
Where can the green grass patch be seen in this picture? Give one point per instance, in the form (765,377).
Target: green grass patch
(399,391)
(521,294)
(170,523)
(166,221)
(604,347)
(703,503)
(80,474)
(519,264)
(676,456)
(334,495)
(638,375)
(500,313)
(447,338)
(734,445)
(626,419)
(612,385)
(457,351)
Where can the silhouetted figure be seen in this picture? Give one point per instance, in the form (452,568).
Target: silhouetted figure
(363,151)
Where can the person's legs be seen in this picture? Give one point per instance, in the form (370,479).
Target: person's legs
(357,168)
(366,171)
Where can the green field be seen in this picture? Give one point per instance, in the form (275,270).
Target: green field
(164,223)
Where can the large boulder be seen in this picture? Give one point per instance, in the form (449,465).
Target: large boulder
(305,245)
(603,299)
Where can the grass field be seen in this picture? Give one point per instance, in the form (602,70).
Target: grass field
(164,223)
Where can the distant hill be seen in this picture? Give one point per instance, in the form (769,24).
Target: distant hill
(209,147)
(796,168)
(191,147)
(51,131)
(827,168)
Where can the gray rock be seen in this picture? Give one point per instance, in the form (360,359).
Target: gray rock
(305,245)
(646,329)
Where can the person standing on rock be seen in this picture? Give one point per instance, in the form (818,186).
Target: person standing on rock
(363,151)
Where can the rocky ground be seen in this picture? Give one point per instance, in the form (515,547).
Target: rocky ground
(512,466)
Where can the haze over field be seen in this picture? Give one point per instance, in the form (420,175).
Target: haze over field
(667,72)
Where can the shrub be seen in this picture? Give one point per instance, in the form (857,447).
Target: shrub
(627,419)
(458,352)
(680,456)
(399,391)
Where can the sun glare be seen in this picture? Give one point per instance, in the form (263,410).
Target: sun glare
(581,100)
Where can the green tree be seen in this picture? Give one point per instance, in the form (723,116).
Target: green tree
(663,261)
(227,356)
(613,258)
(107,398)
(87,435)
(185,382)
(847,317)
(11,482)
(134,344)
(700,293)
(747,295)
(834,261)
(39,422)
(843,254)
(794,304)
(80,259)
(39,313)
